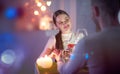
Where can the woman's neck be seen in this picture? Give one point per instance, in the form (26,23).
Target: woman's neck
(67,32)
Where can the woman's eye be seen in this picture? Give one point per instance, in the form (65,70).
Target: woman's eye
(60,23)
(67,20)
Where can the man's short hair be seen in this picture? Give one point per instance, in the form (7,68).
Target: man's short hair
(111,7)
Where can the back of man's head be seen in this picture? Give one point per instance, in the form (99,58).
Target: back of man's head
(110,7)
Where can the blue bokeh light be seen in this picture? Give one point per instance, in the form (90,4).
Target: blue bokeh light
(72,57)
(86,56)
(8,57)
(11,13)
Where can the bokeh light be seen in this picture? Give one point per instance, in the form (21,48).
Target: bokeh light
(48,3)
(26,4)
(11,13)
(8,57)
(33,20)
(43,8)
(36,1)
(86,56)
(29,27)
(36,12)
(39,4)
(72,56)
(44,23)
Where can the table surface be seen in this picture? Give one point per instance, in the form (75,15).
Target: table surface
(53,70)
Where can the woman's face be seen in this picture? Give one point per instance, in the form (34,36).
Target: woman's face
(63,23)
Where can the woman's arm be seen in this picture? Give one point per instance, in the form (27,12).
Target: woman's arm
(47,51)
(50,46)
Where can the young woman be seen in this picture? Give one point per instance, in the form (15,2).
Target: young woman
(61,45)
(64,41)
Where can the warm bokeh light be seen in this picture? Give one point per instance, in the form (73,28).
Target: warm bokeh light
(48,3)
(33,20)
(45,23)
(30,27)
(26,4)
(36,1)
(42,25)
(43,8)
(36,12)
(39,4)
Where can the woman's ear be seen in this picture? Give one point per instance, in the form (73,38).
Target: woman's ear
(95,17)
(96,11)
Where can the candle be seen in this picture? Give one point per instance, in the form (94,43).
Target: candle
(44,62)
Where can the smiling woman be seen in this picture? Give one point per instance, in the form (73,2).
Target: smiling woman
(58,46)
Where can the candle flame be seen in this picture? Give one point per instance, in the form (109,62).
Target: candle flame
(44,62)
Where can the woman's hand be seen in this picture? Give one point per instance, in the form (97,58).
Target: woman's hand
(54,54)
(57,54)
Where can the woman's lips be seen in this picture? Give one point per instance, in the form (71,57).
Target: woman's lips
(66,27)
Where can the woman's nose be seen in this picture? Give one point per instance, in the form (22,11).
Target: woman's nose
(64,23)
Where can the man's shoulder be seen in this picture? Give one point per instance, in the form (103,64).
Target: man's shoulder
(103,36)
(93,37)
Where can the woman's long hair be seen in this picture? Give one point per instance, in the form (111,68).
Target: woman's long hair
(59,43)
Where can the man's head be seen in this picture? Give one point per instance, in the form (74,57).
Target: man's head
(105,12)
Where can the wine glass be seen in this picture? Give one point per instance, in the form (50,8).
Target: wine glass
(83,31)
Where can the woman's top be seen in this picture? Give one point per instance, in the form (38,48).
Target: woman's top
(69,40)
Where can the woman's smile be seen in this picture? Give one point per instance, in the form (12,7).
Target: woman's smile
(66,27)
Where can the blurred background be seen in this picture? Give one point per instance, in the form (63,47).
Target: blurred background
(26,25)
